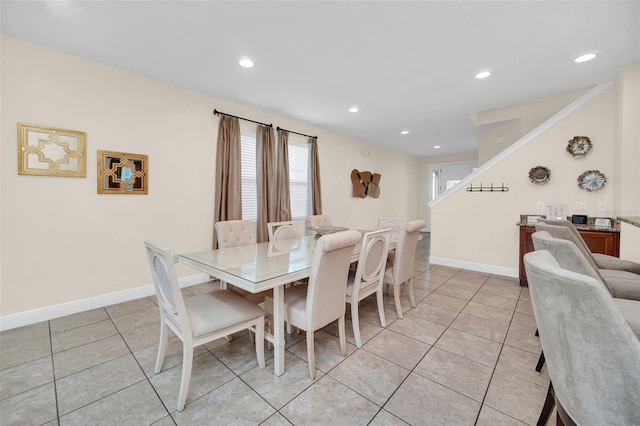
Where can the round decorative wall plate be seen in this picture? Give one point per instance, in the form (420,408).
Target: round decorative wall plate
(579,146)
(591,180)
(539,175)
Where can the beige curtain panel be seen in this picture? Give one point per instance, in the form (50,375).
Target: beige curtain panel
(228,194)
(314,169)
(283,207)
(265,162)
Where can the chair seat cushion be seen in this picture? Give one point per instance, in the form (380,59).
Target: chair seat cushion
(217,310)
(630,310)
(611,262)
(623,284)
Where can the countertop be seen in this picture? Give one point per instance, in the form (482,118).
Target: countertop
(632,220)
(589,226)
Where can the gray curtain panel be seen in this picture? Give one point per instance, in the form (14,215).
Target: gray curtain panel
(228,178)
(314,171)
(265,162)
(283,206)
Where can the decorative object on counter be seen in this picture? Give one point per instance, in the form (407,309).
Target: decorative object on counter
(489,188)
(539,175)
(591,180)
(602,222)
(579,219)
(365,183)
(122,173)
(579,146)
(49,151)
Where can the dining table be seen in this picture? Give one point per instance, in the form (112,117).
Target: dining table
(264,266)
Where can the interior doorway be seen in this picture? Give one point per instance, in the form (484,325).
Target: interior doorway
(444,176)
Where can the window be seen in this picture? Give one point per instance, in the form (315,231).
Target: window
(298,177)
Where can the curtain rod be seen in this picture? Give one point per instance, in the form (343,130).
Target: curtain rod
(301,134)
(216,112)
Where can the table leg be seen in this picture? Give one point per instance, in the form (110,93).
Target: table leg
(278,330)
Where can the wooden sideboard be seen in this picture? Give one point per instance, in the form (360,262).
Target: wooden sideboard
(600,241)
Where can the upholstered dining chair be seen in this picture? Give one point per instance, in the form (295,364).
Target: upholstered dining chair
(319,221)
(368,277)
(602,261)
(400,271)
(393,223)
(288,229)
(321,302)
(569,257)
(592,353)
(621,284)
(199,319)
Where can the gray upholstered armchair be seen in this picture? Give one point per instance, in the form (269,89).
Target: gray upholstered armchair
(569,258)
(592,353)
(602,261)
(622,284)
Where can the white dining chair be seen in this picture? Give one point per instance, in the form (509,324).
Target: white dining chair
(199,319)
(400,271)
(368,277)
(393,223)
(319,221)
(313,306)
(287,229)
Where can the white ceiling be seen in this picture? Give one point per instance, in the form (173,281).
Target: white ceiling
(406,65)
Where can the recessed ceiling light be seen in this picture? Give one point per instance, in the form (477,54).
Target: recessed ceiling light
(436,147)
(354,109)
(246,62)
(404,132)
(483,74)
(585,58)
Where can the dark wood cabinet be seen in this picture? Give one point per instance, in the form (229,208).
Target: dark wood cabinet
(601,241)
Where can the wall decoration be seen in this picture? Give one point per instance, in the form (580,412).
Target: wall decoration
(579,146)
(122,173)
(592,180)
(49,151)
(365,183)
(539,175)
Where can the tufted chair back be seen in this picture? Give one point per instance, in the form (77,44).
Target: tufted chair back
(232,233)
(319,220)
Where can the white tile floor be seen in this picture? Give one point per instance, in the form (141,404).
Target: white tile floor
(465,355)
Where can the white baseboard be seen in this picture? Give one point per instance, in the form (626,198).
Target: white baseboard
(20,319)
(473,266)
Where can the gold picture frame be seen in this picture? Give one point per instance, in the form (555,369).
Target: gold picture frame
(122,173)
(49,151)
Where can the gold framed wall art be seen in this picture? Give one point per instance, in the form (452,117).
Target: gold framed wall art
(49,151)
(122,173)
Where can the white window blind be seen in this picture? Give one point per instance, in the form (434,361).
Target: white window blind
(249,180)
(298,177)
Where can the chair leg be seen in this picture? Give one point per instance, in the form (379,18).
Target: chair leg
(547,408)
(380,299)
(396,296)
(187,363)
(355,321)
(269,320)
(540,362)
(412,297)
(311,355)
(342,335)
(162,346)
(252,337)
(260,342)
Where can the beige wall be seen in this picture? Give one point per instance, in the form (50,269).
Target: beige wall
(627,155)
(516,121)
(62,242)
(480,227)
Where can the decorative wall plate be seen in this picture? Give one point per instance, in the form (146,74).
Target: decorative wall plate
(591,180)
(539,175)
(579,146)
